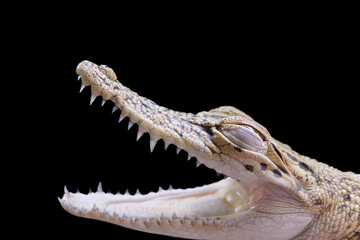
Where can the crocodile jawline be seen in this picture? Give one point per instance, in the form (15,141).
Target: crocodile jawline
(271,192)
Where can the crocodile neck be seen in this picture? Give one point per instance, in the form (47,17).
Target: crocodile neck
(271,191)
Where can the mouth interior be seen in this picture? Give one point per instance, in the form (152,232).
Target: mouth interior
(218,200)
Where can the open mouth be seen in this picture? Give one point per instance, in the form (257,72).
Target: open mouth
(213,201)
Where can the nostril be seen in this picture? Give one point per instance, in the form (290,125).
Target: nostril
(108,72)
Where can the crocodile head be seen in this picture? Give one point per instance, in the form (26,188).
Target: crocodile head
(265,195)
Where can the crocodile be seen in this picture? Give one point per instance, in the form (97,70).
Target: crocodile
(269,191)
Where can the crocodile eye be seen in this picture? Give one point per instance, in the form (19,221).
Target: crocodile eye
(245,137)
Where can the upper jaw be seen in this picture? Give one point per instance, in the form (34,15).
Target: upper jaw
(199,135)
(173,127)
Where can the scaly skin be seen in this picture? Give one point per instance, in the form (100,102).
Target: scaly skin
(271,191)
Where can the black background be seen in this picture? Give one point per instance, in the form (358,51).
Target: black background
(297,79)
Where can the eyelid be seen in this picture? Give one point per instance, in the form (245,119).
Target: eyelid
(245,137)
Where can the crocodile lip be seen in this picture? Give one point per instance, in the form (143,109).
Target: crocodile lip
(217,200)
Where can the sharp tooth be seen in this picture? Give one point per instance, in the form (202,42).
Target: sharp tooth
(65,190)
(160,189)
(99,188)
(73,208)
(121,117)
(198,163)
(138,192)
(188,158)
(124,216)
(166,145)
(139,134)
(162,217)
(115,214)
(92,98)
(152,144)
(95,208)
(177,150)
(105,212)
(130,124)
(82,88)
(79,77)
(103,102)
(114,109)
(174,216)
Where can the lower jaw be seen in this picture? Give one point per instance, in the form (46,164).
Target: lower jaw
(218,200)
